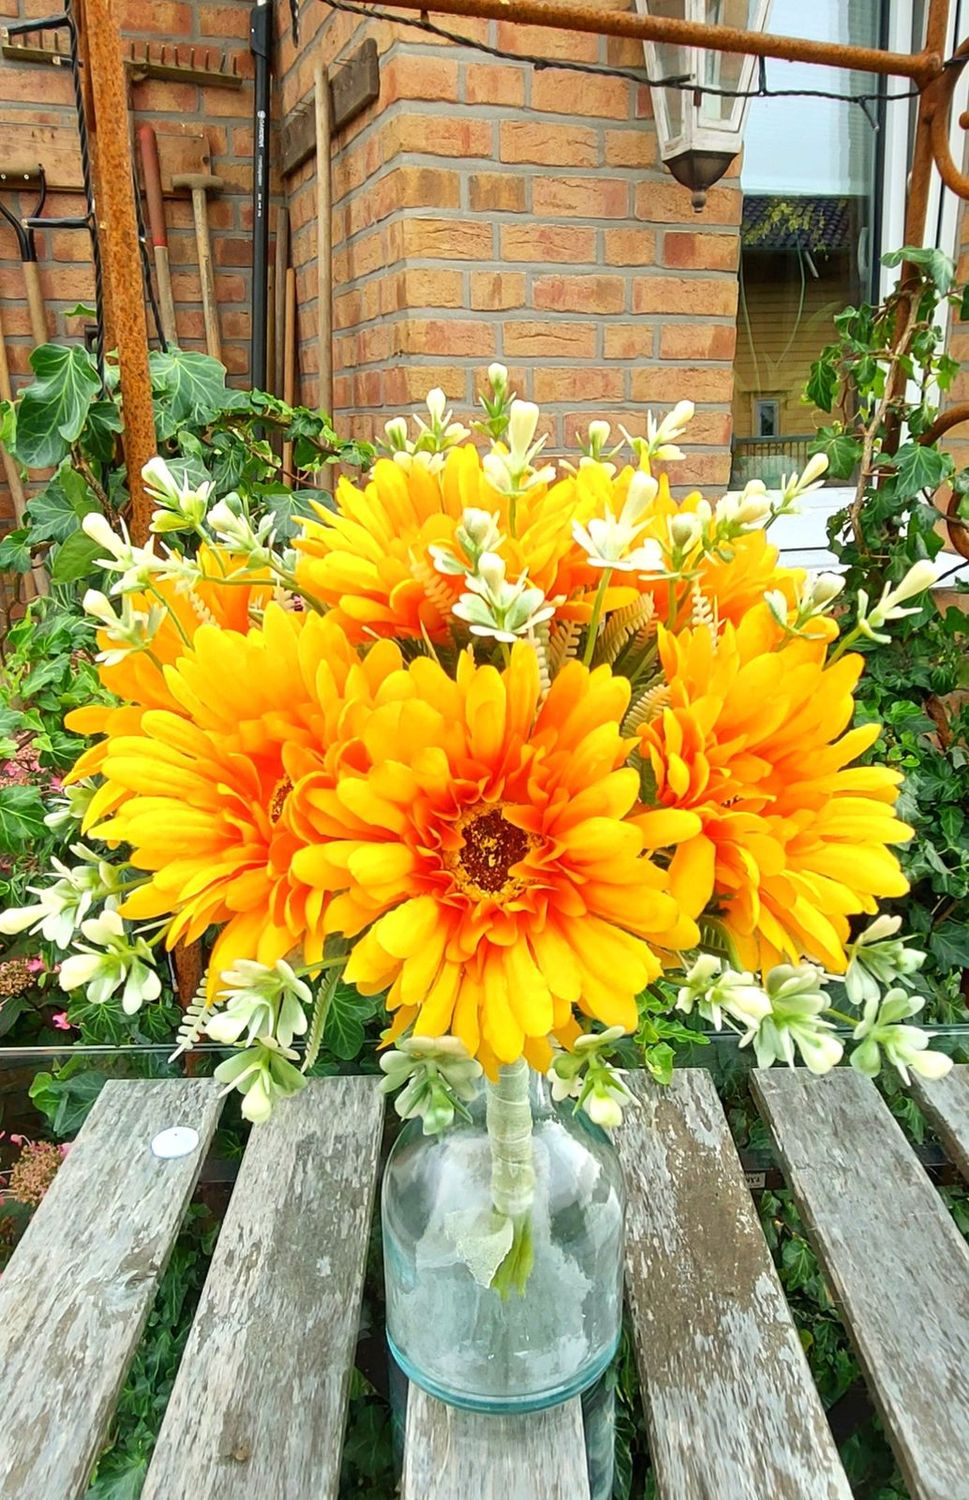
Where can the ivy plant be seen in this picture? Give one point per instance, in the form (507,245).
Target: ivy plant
(883,380)
(69,425)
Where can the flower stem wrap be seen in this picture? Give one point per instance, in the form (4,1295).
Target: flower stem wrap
(509,1118)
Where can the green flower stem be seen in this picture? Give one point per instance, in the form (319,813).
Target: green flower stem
(600,599)
(290,581)
(839,1015)
(248,582)
(844,645)
(509,1118)
(170,612)
(324,963)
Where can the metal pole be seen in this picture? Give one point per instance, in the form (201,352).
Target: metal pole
(117,223)
(261,43)
(919,66)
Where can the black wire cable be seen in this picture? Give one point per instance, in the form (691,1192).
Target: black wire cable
(88,187)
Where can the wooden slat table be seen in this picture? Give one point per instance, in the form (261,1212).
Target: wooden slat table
(259,1404)
(898,1266)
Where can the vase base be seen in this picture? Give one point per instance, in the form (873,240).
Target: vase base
(506,1405)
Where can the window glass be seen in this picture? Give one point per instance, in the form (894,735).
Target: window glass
(807,233)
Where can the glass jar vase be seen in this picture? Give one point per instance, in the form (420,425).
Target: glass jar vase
(503,1250)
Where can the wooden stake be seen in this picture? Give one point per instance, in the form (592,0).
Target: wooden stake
(281,266)
(100,45)
(271,329)
(289,364)
(324,241)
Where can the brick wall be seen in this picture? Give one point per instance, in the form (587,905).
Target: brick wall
(487,210)
(42,95)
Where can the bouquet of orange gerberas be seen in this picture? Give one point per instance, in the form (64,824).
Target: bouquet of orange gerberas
(529,752)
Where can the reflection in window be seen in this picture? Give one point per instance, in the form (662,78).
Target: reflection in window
(806,235)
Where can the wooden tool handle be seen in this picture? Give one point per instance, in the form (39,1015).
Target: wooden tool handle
(151,171)
(279,298)
(210,311)
(35,303)
(166,302)
(289,364)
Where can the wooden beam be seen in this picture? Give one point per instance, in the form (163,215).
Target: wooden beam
(353,85)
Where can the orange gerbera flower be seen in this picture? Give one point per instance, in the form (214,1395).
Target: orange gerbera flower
(370,559)
(488,847)
(755,741)
(202,787)
(139,678)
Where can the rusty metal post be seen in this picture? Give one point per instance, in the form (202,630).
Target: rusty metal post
(100,45)
(919,66)
(933,101)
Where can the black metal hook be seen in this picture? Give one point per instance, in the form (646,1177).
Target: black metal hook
(23,228)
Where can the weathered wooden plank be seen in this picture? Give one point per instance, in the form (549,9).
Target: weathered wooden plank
(354,84)
(461,1455)
(260,1400)
(895,1260)
(731,1407)
(75,1296)
(946,1102)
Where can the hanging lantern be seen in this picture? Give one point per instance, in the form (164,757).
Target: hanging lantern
(700,133)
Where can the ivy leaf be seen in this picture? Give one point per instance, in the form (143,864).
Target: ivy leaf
(946,371)
(103,424)
(843,452)
(58,510)
(659,1061)
(66,1097)
(121,1484)
(938,267)
(52,412)
(798,1263)
(8,424)
(822,386)
(21,818)
(15,553)
(344,1034)
(949,946)
(189,388)
(286,506)
(919,468)
(75,558)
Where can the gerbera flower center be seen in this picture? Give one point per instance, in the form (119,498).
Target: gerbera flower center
(277,801)
(482,866)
